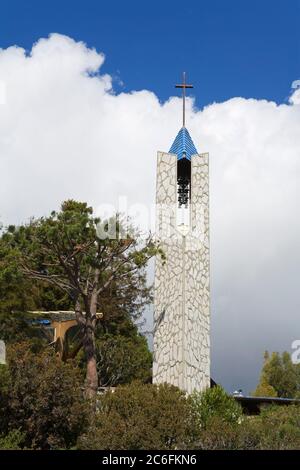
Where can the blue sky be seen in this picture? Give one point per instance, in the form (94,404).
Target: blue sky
(228,48)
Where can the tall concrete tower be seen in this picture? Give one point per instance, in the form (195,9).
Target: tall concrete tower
(182,296)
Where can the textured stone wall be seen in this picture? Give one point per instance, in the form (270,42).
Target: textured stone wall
(181,308)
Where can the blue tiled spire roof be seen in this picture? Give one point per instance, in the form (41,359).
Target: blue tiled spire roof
(183,146)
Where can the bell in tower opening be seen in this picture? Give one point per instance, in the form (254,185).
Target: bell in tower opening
(184,182)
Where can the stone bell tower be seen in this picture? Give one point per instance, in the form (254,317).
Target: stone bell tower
(182,296)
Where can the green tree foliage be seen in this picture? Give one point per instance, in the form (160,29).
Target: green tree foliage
(15,289)
(264,389)
(140,416)
(122,359)
(15,327)
(215,402)
(19,294)
(279,377)
(44,399)
(92,274)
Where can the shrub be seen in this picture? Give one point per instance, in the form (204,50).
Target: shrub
(224,435)
(45,399)
(215,402)
(12,441)
(218,435)
(141,416)
(277,428)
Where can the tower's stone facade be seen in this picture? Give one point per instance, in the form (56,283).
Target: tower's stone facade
(182,299)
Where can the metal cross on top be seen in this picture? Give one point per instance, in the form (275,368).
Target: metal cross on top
(183,85)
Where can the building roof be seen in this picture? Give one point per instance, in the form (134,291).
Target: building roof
(277,400)
(40,316)
(183,146)
(253,405)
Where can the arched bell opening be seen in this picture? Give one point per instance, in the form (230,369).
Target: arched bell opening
(183,182)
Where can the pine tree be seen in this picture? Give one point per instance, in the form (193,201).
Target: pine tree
(64,251)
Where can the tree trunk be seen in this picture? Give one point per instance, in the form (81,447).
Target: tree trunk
(91,386)
(91,381)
